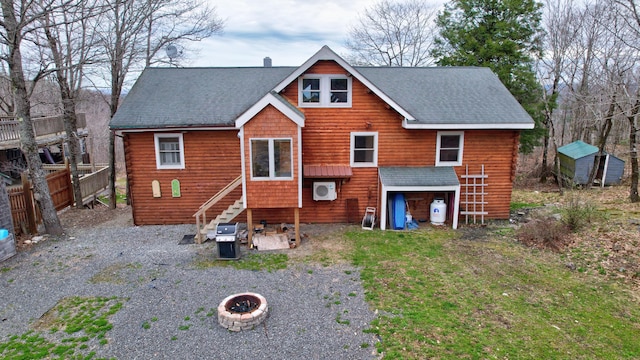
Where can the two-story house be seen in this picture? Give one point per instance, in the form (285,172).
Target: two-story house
(318,143)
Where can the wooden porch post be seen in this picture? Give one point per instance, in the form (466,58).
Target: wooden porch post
(70,193)
(296,213)
(249,228)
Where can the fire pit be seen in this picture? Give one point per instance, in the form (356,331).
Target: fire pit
(242,311)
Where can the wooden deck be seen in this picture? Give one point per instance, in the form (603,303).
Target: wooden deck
(48,129)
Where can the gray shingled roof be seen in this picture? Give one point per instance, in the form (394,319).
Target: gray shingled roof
(187,97)
(449,95)
(418,176)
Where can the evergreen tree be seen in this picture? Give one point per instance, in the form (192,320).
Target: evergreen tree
(503,35)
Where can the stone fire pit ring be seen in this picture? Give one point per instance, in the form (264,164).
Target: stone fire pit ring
(243,311)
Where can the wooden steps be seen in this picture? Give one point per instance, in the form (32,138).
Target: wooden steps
(235,209)
(231,212)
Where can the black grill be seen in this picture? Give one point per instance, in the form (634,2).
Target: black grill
(227,241)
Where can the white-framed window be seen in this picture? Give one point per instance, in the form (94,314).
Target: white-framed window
(364,149)
(449,146)
(317,90)
(169,151)
(271,159)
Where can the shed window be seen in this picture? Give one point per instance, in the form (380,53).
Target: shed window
(364,149)
(169,151)
(449,148)
(271,159)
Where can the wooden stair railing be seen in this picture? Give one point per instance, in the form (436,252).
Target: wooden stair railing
(201,214)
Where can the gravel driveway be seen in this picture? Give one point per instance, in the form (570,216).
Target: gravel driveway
(169,303)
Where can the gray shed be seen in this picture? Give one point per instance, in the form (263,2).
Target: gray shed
(578,158)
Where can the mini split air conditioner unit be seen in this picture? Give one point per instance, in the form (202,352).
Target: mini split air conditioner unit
(325,190)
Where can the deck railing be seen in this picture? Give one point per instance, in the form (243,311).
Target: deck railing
(42,126)
(94,183)
(83,169)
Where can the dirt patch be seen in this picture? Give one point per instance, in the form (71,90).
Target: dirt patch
(72,218)
(474,232)
(99,216)
(324,242)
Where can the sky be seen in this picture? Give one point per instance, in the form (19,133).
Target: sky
(287,31)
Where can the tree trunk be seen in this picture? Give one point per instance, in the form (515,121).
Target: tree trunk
(116,90)
(545,150)
(633,157)
(28,142)
(112,145)
(71,129)
(70,117)
(112,169)
(602,141)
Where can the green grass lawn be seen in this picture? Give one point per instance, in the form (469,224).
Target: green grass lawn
(440,296)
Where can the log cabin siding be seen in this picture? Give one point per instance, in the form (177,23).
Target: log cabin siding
(496,151)
(271,123)
(212,160)
(326,141)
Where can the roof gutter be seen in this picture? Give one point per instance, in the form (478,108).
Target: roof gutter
(174,129)
(407,124)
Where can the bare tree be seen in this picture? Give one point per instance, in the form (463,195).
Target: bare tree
(561,27)
(614,63)
(583,72)
(18,20)
(134,32)
(394,34)
(70,46)
(630,13)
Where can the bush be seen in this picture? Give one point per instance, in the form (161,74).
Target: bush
(577,214)
(546,233)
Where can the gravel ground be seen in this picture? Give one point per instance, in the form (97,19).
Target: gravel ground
(315,312)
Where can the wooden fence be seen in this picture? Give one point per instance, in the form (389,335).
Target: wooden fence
(24,211)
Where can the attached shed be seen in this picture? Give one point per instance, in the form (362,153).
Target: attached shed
(578,159)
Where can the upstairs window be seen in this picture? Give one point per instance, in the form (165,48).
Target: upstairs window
(449,148)
(310,91)
(169,151)
(271,159)
(325,91)
(364,149)
(339,91)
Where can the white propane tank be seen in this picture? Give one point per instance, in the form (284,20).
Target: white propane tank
(438,211)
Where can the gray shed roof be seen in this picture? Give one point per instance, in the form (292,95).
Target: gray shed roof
(470,97)
(191,97)
(418,176)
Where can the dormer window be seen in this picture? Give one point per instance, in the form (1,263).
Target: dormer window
(325,91)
